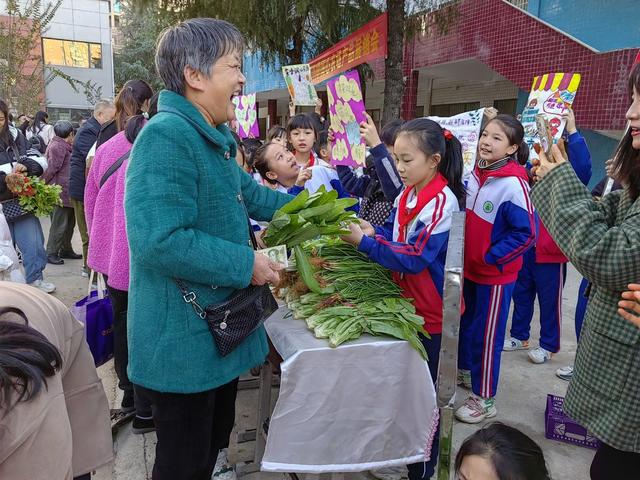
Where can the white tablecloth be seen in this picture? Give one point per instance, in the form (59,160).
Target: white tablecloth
(365,405)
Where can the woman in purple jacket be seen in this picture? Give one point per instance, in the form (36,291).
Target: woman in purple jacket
(63,220)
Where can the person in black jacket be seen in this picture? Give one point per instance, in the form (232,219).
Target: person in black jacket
(26,231)
(103,112)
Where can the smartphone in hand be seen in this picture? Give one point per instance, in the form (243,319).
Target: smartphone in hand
(544,133)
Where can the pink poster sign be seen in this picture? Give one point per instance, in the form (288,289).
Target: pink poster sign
(247,116)
(347,111)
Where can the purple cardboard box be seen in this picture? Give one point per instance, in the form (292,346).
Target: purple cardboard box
(559,426)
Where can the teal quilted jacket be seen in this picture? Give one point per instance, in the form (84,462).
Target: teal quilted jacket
(602,240)
(184,220)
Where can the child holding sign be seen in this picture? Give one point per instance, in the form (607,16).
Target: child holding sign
(500,228)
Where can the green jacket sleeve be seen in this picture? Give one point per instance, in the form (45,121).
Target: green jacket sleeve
(261,202)
(608,255)
(161,205)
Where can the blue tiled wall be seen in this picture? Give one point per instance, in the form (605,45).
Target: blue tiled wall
(603,24)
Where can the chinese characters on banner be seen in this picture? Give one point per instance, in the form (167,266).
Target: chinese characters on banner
(367,43)
(247,116)
(466,128)
(551,94)
(298,80)
(347,111)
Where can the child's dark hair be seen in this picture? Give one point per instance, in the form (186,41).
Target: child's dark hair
(626,166)
(514,131)
(27,358)
(389,132)
(323,140)
(304,121)
(63,128)
(276,132)
(513,454)
(240,147)
(431,140)
(260,163)
(250,147)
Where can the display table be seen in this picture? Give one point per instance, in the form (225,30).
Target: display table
(365,405)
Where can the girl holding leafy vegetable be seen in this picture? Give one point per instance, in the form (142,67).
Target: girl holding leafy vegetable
(500,228)
(278,166)
(413,242)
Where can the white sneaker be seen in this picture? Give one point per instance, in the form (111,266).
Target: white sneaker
(389,473)
(511,344)
(46,287)
(565,373)
(540,355)
(223,469)
(476,409)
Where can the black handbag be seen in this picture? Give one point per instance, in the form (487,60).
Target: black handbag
(233,320)
(11,208)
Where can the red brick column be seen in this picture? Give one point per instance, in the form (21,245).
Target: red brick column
(272,111)
(410,97)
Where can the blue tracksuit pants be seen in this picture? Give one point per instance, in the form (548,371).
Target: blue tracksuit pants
(581,306)
(482,331)
(546,280)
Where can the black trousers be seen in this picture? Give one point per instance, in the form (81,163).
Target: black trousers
(191,430)
(119,302)
(610,463)
(63,221)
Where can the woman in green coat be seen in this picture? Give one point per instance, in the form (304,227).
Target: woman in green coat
(185,220)
(602,240)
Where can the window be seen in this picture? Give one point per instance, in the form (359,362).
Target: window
(420,111)
(450,109)
(506,106)
(67,53)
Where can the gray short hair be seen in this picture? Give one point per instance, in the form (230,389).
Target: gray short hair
(102,105)
(197,43)
(63,128)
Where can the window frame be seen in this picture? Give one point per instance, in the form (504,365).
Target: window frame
(89,58)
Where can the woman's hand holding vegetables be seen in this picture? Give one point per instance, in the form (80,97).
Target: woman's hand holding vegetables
(630,303)
(303,175)
(369,132)
(542,165)
(19,168)
(355,237)
(265,270)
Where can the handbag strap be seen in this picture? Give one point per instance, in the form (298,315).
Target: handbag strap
(188,295)
(113,168)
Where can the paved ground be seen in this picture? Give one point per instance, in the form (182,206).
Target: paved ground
(520,402)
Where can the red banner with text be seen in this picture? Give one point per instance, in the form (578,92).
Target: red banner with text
(367,43)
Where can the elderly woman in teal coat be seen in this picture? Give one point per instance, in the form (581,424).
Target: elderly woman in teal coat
(185,220)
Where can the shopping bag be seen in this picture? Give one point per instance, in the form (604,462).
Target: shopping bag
(95,312)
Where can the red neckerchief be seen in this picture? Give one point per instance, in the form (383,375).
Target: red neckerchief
(428,193)
(312,159)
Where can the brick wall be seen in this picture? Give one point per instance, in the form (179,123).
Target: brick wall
(518,47)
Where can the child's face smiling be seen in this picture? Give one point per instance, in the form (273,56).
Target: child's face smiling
(302,139)
(494,144)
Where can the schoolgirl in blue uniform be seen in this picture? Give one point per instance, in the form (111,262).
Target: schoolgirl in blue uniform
(500,228)
(413,242)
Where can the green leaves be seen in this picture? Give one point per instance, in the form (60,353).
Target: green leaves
(309,216)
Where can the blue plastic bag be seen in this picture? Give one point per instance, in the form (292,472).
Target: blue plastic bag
(95,312)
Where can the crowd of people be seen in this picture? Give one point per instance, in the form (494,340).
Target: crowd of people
(162,189)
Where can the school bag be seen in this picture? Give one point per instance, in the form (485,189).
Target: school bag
(37,142)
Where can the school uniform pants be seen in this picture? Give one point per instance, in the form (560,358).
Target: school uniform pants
(581,306)
(191,429)
(546,281)
(425,470)
(482,331)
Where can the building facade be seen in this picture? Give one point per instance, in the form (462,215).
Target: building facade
(490,56)
(77,43)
